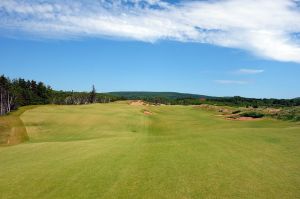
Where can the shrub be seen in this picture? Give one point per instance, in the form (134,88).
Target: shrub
(252,114)
(235,112)
(292,114)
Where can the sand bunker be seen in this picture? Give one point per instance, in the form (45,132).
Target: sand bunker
(137,103)
(236,117)
(147,112)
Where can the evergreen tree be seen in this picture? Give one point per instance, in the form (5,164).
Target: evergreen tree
(93,96)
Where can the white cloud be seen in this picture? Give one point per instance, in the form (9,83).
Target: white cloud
(249,71)
(266,28)
(231,82)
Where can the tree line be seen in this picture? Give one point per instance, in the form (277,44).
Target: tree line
(222,101)
(20,92)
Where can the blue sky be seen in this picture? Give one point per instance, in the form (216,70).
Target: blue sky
(154,49)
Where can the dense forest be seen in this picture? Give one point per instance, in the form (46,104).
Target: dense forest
(20,92)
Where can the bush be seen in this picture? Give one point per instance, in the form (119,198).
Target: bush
(235,112)
(292,114)
(252,114)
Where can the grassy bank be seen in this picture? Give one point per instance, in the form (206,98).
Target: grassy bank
(12,129)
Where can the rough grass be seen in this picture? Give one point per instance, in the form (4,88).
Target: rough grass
(12,129)
(116,151)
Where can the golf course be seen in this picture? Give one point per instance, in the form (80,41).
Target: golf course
(123,150)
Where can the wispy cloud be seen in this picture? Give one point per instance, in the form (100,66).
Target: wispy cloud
(249,71)
(266,28)
(231,82)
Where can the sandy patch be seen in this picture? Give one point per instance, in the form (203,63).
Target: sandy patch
(137,103)
(147,112)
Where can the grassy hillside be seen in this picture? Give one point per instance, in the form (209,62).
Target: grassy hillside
(118,150)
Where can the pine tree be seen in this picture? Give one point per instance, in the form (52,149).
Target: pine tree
(93,95)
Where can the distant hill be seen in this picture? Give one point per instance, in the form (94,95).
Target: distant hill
(195,99)
(168,95)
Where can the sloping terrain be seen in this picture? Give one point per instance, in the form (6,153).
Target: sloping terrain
(12,129)
(117,151)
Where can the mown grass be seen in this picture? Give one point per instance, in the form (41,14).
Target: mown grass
(116,151)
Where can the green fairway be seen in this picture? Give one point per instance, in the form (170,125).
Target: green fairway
(178,152)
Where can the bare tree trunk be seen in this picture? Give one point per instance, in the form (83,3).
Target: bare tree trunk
(11,102)
(8,102)
(1,105)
